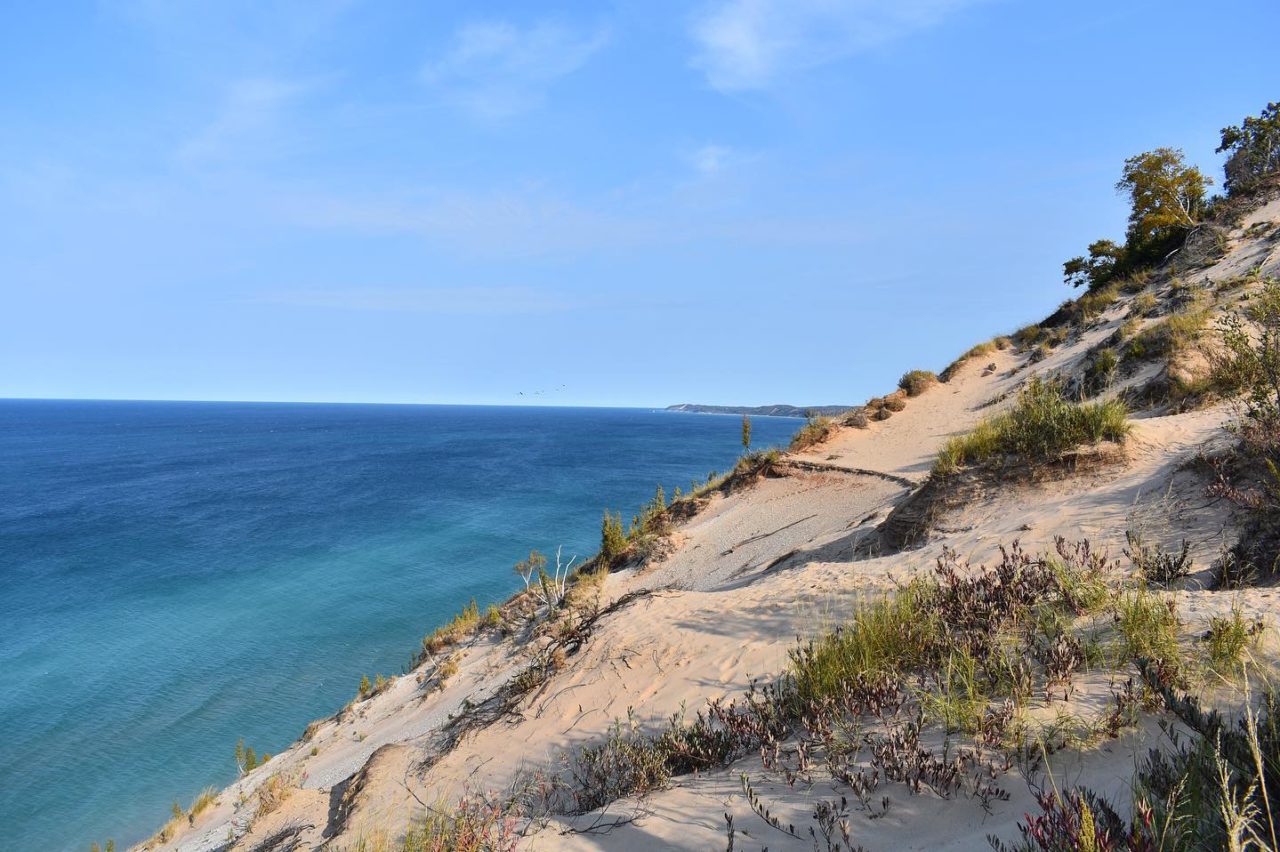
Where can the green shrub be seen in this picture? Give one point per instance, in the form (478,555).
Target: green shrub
(917,382)
(814,431)
(613,540)
(1041,426)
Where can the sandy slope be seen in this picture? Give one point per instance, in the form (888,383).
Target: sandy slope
(750,573)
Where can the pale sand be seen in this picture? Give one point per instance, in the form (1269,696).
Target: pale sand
(748,574)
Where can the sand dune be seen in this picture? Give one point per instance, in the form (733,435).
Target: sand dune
(785,557)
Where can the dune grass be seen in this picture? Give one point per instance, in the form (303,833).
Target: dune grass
(1041,426)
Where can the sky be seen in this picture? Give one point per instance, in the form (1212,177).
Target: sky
(638,202)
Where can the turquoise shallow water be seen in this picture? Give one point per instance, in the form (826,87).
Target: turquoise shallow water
(174,576)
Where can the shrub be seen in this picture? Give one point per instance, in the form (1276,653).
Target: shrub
(613,541)
(856,418)
(272,794)
(469,825)
(895,402)
(1041,426)
(447,669)
(1154,563)
(917,382)
(1215,789)
(813,432)
(1252,364)
(1253,360)
(246,759)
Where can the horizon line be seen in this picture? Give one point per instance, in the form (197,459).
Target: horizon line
(419,404)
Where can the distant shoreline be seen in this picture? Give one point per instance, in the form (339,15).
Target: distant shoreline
(763,410)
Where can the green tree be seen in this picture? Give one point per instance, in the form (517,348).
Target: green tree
(1253,149)
(746,434)
(250,759)
(1104,261)
(612,538)
(364,685)
(1166,197)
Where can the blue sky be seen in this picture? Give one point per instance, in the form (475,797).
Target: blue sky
(629,203)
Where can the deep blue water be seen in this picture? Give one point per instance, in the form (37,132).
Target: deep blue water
(174,576)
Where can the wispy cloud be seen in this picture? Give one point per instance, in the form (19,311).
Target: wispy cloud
(534,223)
(750,44)
(527,221)
(496,69)
(712,159)
(425,300)
(249,115)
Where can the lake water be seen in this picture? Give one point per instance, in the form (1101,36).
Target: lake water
(175,576)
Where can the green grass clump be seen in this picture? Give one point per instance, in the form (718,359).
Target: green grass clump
(1042,425)
(1148,627)
(1027,335)
(459,627)
(1169,336)
(916,382)
(1227,640)
(886,636)
(1095,302)
(202,803)
(987,347)
(960,697)
(1143,305)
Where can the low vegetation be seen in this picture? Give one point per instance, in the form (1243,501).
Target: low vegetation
(916,382)
(981,350)
(1250,478)
(1155,564)
(813,432)
(970,650)
(454,631)
(1041,426)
